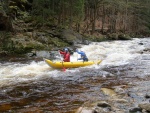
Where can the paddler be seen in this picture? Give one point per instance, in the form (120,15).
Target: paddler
(83,55)
(66,55)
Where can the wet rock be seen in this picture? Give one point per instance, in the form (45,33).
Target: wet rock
(32,54)
(5,107)
(43,54)
(147,50)
(135,110)
(84,110)
(98,107)
(145,106)
(120,111)
(103,104)
(102,110)
(120,100)
(119,90)
(147,96)
(144,111)
(141,43)
(109,92)
(132,95)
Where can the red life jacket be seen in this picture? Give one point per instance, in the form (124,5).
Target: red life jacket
(66,56)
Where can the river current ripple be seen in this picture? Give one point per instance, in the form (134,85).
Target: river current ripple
(32,86)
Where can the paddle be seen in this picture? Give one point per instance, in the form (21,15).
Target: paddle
(99,62)
(64,69)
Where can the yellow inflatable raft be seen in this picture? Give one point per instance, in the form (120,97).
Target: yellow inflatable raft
(60,64)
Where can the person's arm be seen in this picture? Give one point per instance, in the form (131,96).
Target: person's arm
(78,52)
(61,52)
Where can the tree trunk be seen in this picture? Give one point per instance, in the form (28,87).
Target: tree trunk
(103,19)
(94,18)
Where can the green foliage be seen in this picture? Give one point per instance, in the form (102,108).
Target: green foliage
(127,16)
(78,10)
(59,43)
(36,46)
(62,12)
(5,42)
(24,1)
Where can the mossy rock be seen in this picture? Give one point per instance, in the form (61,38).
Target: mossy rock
(101,38)
(34,45)
(22,50)
(124,37)
(28,48)
(92,38)
(113,36)
(95,38)
(71,37)
(58,42)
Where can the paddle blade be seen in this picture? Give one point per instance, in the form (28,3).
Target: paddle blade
(99,62)
(64,69)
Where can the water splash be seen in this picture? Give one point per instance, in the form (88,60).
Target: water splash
(114,53)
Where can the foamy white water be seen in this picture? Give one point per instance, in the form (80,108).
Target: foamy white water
(114,53)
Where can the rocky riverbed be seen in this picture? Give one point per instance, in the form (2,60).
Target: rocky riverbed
(122,97)
(128,91)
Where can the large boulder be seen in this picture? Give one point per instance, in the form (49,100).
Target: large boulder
(72,37)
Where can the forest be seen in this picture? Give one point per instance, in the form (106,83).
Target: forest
(127,16)
(87,17)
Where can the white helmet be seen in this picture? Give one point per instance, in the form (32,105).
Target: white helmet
(66,49)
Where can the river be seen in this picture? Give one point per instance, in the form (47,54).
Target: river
(32,86)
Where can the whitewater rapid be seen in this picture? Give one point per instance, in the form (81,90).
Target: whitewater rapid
(112,53)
